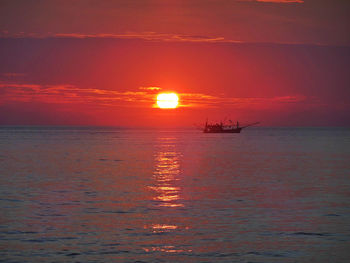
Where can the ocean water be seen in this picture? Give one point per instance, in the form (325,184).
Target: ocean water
(82,194)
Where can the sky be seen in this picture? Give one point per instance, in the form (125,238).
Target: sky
(280,62)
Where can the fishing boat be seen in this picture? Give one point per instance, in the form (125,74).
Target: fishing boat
(225,128)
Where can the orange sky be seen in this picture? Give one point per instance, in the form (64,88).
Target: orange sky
(278,62)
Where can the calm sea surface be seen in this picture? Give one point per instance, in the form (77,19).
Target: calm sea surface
(117,195)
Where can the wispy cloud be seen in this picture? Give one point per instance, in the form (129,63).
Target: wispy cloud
(150,88)
(275,1)
(158,37)
(148,36)
(144,97)
(67,93)
(282,1)
(151,36)
(13,74)
(203,100)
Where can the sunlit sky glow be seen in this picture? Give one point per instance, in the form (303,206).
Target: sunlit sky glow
(280,62)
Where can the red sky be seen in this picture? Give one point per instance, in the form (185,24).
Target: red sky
(103,62)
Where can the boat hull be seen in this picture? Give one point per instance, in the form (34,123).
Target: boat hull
(236,130)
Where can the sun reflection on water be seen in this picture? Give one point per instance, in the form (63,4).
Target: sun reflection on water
(161,228)
(168,249)
(166,174)
(167,194)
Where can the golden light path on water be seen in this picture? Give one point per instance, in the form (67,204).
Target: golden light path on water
(167,192)
(166,173)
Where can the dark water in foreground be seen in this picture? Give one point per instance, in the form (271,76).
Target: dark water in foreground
(109,195)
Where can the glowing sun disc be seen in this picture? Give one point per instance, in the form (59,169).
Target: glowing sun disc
(167,100)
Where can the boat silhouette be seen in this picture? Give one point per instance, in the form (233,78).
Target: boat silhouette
(225,128)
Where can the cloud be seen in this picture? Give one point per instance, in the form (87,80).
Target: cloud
(150,36)
(281,1)
(67,93)
(150,88)
(157,37)
(147,36)
(204,100)
(275,1)
(144,97)
(13,74)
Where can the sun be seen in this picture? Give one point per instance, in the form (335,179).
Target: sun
(167,100)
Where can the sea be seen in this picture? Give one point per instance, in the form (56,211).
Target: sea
(104,194)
